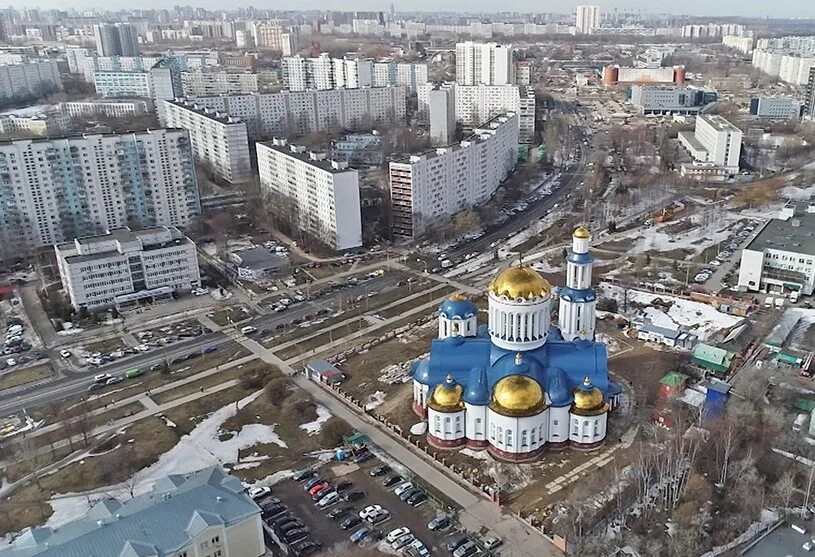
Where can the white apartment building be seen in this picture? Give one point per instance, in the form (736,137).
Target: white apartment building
(49,124)
(475,104)
(52,191)
(219,141)
(122,267)
(93,64)
(409,74)
(484,63)
(159,83)
(789,67)
(203,83)
(775,107)
(744,45)
(442,116)
(29,80)
(716,141)
(276,37)
(432,186)
(324,72)
(586,20)
(113,108)
(325,192)
(270,114)
(781,258)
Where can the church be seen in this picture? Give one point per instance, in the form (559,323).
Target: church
(519,385)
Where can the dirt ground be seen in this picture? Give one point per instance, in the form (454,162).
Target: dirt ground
(24,375)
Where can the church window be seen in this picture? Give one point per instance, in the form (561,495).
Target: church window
(596,428)
(509,438)
(524,439)
(554,422)
(437,424)
(533,437)
(576,426)
(458,424)
(447,425)
(492,432)
(500,435)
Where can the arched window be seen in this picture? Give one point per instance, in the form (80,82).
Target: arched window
(596,428)
(509,438)
(478,429)
(458,424)
(576,427)
(533,437)
(447,425)
(437,424)
(524,439)
(500,435)
(492,431)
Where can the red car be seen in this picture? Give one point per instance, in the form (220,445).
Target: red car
(317,488)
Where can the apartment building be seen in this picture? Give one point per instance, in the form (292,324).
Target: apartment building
(744,45)
(586,20)
(324,72)
(670,99)
(47,124)
(475,104)
(809,95)
(204,514)
(55,190)
(270,114)
(775,107)
(781,258)
(430,187)
(442,116)
(219,141)
(204,83)
(790,67)
(92,64)
(325,192)
(116,39)
(125,108)
(123,267)
(716,141)
(409,74)
(29,80)
(484,63)
(276,37)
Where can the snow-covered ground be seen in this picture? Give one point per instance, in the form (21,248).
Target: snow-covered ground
(313,428)
(700,318)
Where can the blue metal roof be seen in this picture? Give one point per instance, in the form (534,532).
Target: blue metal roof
(478,390)
(558,388)
(575,295)
(458,308)
(579,258)
(158,523)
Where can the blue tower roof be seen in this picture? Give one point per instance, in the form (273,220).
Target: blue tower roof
(478,390)
(575,295)
(580,258)
(458,307)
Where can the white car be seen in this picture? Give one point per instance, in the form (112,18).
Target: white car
(398,533)
(258,491)
(65,353)
(420,548)
(402,541)
(101,377)
(369,510)
(329,500)
(401,488)
(492,541)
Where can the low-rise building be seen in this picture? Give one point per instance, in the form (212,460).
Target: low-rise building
(670,99)
(716,141)
(360,148)
(673,337)
(204,514)
(257,263)
(124,267)
(781,257)
(218,140)
(49,124)
(124,108)
(323,192)
(775,107)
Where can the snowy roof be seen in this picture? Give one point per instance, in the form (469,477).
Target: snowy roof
(160,522)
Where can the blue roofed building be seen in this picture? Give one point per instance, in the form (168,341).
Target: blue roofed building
(519,384)
(205,514)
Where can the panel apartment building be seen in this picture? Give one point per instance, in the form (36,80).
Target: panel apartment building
(324,72)
(218,140)
(302,112)
(123,267)
(432,186)
(325,192)
(202,83)
(52,191)
(29,80)
(484,64)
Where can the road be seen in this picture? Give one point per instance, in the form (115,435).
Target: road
(71,381)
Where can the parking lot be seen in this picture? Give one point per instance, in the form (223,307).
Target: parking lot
(328,529)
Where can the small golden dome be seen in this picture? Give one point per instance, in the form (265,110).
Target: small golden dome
(447,396)
(517,395)
(457,297)
(588,399)
(582,232)
(520,282)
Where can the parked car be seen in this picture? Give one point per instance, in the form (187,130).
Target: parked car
(65,353)
(257,492)
(379,517)
(401,488)
(350,522)
(338,512)
(354,496)
(438,523)
(402,541)
(328,500)
(492,542)
(296,535)
(397,533)
(289,526)
(360,534)
(344,485)
(417,499)
(408,493)
(380,470)
(370,509)
(101,377)
(312,482)
(457,542)
(113,380)
(418,548)
(392,480)
(303,475)
(466,549)
(364,457)
(306,547)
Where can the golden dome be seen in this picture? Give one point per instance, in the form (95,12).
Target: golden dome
(457,297)
(520,282)
(517,395)
(588,399)
(582,232)
(447,396)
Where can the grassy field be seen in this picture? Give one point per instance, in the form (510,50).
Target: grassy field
(25,375)
(229,315)
(207,382)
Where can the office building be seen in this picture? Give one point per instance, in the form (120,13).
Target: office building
(204,83)
(587,20)
(775,107)
(124,108)
(203,514)
(670,99)
(442,116)
(219,141)
(484,63)
(715,141)
(325,193)
(302,112)
(626,75)
(781,257)
(117,39)
(28,81)
(86,185)
(48,124)
(123,267)
(430,187)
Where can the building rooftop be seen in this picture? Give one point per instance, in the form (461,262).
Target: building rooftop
(149,239)
(796,234)
(87,136)
(719,123)
(259,258)
(192,106)
(158,523)
(299,152)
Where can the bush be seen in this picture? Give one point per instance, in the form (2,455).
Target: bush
(255,380)
(277,389)
(334,431)
(608,304)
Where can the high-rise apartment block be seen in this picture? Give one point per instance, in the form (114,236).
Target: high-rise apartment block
(218,141)
(118,39)
(432,186)
(323,192)
(270,114)
(586,20)
(809,97)
(29,80)
(484,63)
(324,72)
(123,267)
(203,83)
(442,115)
(55,190)
(276,37)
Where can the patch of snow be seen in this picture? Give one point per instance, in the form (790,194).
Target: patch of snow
(313,428)
(374,400)
(169,422)
(246,465)
(418,429)
(479,455)
(275,478)
(794,193)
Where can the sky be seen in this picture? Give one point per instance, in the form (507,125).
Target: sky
(747,8)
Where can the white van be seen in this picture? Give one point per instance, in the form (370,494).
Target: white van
(794,297)
(779,302)
(768,302)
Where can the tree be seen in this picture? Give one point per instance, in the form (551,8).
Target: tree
(785,488)
(466,221)
(334,431)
